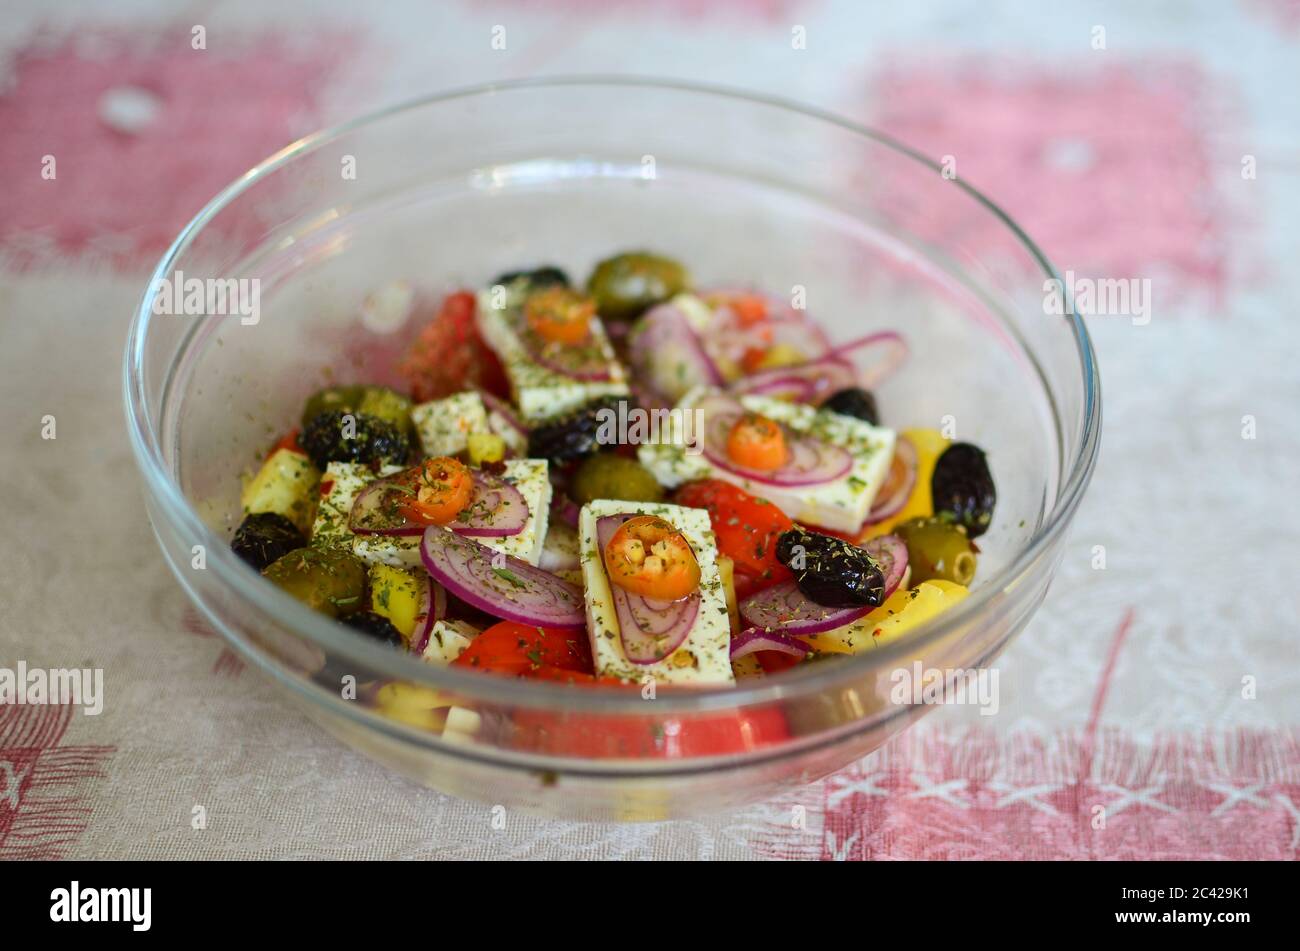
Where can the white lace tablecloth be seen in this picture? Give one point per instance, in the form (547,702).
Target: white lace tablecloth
(1145,141)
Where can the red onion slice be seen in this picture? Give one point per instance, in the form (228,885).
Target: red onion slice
(898,485)
(811,461)
(783,607)
(503,586)
(585,361)
(375,510)
(564,508)
(756,639)
(666,354)
(891,553)
(432,610)
(730,335)
(895,352)
(810,382)
(833,370)
(496,509)
(784,386)
(503,409)
(650,629)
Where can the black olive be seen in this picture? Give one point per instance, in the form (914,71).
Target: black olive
(536,279)
(854,401)
(574,435)
(376,627)
(963,486)
(264,537)
(831,572)
(337,436)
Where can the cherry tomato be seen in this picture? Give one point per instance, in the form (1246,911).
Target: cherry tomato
(560,314)
(649,557)
(757,442)
(520,650)
(440,489)
(748,308)
(746,528)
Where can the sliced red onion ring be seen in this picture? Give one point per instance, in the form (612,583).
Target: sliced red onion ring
(891,553)
(587,369)
(565,509)
(432,610)
(650,629)
(833,370)
(503,586)
(755,639)
(898,485)
(585,361)
(666,353)
(895,354)
(496,509)
(783,324)
(785,386)
(496,404)
(375,511)
(811,461)
(783,607)
(810,382)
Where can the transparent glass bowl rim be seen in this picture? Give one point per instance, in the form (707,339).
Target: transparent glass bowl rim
(338,640)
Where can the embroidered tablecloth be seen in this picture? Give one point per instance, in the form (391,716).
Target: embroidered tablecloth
(1158,683)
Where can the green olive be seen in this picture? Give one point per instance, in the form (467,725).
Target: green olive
(387,405)
(325,579)
(342,399)
(610,476)
(628,284)
(937,547)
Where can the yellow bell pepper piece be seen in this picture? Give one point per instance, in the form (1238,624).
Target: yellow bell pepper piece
(398,595)
(412,704)
(902,611)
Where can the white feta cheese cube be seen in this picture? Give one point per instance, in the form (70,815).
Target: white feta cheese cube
(340,485)
(462,723)
(529,476)
(537,391)
(705,656)
(445,425)
(447,641)
(841,505)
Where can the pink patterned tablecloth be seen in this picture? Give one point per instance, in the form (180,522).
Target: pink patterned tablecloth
(1132,140)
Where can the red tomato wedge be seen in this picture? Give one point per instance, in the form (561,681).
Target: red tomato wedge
(709,734)
(288,441)
(746,528)
(449,355)
(518,650)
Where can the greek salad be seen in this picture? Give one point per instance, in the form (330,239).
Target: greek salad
(626,481)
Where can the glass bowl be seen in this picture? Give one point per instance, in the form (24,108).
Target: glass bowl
(450,190)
